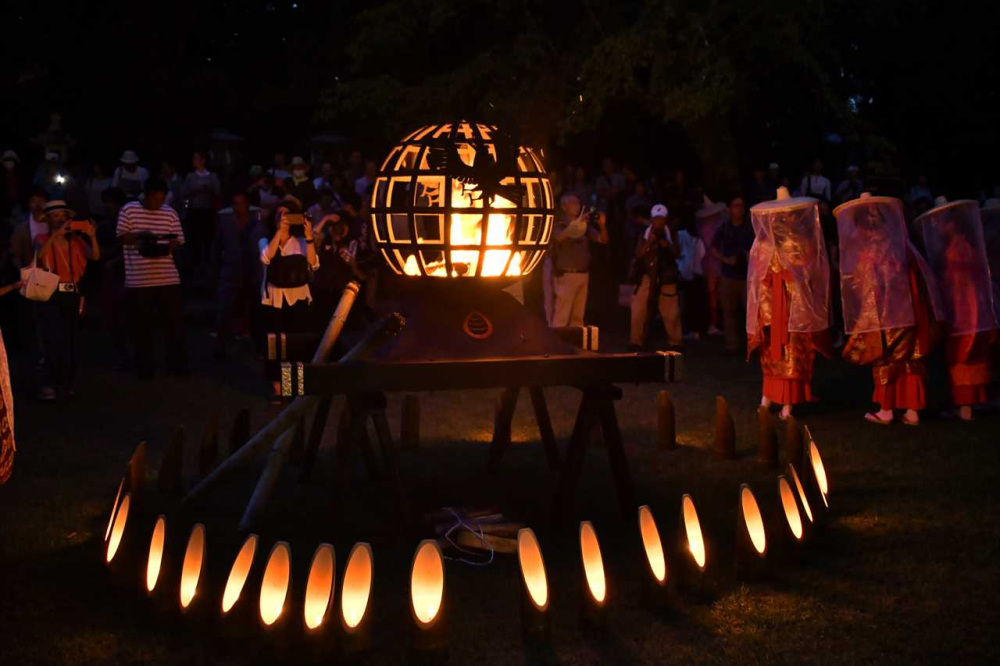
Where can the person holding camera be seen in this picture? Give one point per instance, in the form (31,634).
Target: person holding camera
(289,256)
(655,274)
(150,232)
(571,258)
(65,251)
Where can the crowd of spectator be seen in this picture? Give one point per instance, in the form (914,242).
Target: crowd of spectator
(276,245)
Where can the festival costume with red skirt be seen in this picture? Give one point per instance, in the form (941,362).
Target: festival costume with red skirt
(786,358)
(969,366)
(897,355)
(956,246)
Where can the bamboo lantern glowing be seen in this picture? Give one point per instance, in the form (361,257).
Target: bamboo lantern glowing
(117,532)
(751,537)
(535,623)
(693,552)
(274,585)
(319,588)
(788,530)
(114,509)
(154,561)
(427,598)
(594,597)
(355,599)
(124,550)
(193,565)
(817,486)
(239,574)
(657,578)
(809,521)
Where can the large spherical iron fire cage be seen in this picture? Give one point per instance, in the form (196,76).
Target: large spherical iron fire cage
(462,200)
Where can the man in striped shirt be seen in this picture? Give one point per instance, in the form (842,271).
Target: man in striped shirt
(150,231)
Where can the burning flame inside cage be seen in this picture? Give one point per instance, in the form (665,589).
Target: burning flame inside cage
(357,585)
(239,573)
(437,221)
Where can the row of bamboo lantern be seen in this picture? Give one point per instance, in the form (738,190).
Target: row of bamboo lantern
(769,533)
(765,540)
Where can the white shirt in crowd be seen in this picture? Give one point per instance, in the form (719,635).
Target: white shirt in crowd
(276,297)
(143,271)
(816,186)
(140,174)
(36,227)
(361,185)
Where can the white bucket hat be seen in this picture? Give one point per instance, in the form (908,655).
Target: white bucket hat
(129,157)
(9,156)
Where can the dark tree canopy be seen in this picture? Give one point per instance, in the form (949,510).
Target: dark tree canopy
(718,86)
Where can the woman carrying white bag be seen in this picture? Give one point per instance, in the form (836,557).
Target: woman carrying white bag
(52,281)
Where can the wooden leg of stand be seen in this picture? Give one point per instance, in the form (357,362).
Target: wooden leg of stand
(350,430)
(502,426)
(569,477)
(391,460)
(616,456)
(545,431)
(409,430)
(315,437)
(367,452)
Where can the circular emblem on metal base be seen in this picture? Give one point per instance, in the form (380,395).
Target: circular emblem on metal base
(477,326)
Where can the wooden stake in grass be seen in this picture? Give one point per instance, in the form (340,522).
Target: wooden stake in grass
(208,453)
(767,438)
(725,430)
(666,423)
(409,431)
(169,481)
(794,445)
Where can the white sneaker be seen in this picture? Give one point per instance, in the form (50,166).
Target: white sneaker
(715,331)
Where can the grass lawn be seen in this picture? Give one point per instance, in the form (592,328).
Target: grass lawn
(909,571)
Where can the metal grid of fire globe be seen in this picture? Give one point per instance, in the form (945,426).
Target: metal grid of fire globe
(409,217)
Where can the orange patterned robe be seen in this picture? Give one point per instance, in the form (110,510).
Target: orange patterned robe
(897,355)
(786,358)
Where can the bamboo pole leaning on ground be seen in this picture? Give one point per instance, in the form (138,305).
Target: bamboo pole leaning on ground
(290,415)
(268,479)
